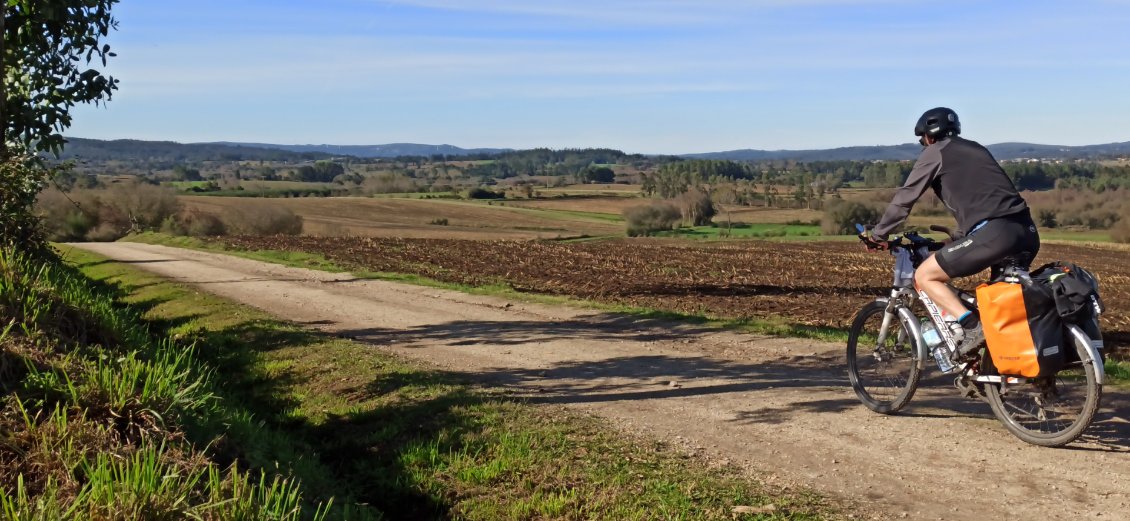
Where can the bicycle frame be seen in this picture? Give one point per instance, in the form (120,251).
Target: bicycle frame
(1047,411)
(901,300)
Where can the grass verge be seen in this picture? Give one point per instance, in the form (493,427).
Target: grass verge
(385,438)
(101,419)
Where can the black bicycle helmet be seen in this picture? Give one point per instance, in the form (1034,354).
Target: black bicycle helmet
(937,123)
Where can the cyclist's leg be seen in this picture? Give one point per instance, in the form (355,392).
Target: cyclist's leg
(931,278)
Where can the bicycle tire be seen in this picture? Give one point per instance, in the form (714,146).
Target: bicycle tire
(886,378)
(1029,415)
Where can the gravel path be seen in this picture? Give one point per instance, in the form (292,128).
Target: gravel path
(781,408)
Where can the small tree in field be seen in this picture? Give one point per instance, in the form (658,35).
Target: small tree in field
(647,219)
(841,216)
(696,206)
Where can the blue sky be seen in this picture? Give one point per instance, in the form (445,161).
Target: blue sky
(663,76)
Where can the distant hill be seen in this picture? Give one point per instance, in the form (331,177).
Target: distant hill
(909,151)
(389,150)
(896,152)
(133,149)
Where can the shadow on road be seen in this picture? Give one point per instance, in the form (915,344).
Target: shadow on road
(648,377)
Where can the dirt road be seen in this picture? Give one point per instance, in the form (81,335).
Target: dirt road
(781,408)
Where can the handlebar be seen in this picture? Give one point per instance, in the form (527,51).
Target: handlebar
(910,240)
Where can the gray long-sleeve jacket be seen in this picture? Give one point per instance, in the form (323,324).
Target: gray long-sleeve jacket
(966,178)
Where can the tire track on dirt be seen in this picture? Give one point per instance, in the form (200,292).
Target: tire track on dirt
(780,408)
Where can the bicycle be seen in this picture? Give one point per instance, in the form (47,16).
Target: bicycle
(887,353)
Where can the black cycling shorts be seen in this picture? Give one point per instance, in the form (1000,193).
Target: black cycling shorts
(1009,236)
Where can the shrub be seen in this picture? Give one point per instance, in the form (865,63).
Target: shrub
(1120,232)
(62,220)
(105,214)
(841,217)
(647,219)
(145,206)
(482,193)
(696,206)
(200,224)
(262,220)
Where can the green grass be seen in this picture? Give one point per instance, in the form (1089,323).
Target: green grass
(417,444)
(1052,234)
(1117,372)
(103,419)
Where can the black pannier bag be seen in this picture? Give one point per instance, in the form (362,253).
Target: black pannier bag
(1075,290)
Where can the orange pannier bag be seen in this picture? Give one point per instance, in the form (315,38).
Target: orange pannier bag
(1022,328)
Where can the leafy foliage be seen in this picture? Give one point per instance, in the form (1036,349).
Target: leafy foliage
(647,219)
(20,182)
(841,217)
(46,45)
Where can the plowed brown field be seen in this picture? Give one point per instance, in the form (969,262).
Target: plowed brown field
(810,283)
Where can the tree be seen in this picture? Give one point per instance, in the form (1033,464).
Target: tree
(46,49)
(599,174)
(840,217)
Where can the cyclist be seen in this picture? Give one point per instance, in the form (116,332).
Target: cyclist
(994,222)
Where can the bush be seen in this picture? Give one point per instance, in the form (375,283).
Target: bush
(145,206)
(105,214)
(647,219)
(195,223)
(1120,232)
(482,193)
(696,206)
(841,217)
(263,220)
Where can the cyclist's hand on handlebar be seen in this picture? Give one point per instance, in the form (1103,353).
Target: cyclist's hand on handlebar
(874,245)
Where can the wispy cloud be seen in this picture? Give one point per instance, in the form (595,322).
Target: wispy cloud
(630,12)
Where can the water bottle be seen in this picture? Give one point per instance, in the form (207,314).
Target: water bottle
(936,345)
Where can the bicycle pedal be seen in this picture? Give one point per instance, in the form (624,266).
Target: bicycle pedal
(968,390)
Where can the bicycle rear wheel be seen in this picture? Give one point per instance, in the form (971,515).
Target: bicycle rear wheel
(883,375)
(1049,411)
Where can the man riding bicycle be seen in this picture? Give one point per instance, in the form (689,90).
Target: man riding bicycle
(994,223)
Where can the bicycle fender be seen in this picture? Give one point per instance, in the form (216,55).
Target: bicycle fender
(907,317)
(1092,352)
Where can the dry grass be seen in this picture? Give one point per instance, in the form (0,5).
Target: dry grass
(757,214)
(614,205)
(591,189)
(389,217)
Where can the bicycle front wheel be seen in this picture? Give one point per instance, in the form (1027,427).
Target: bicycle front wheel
(882,365)
(1049,411)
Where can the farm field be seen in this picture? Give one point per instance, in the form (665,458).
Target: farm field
(614,205)
(818,284)
(616,190)
(392,217)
